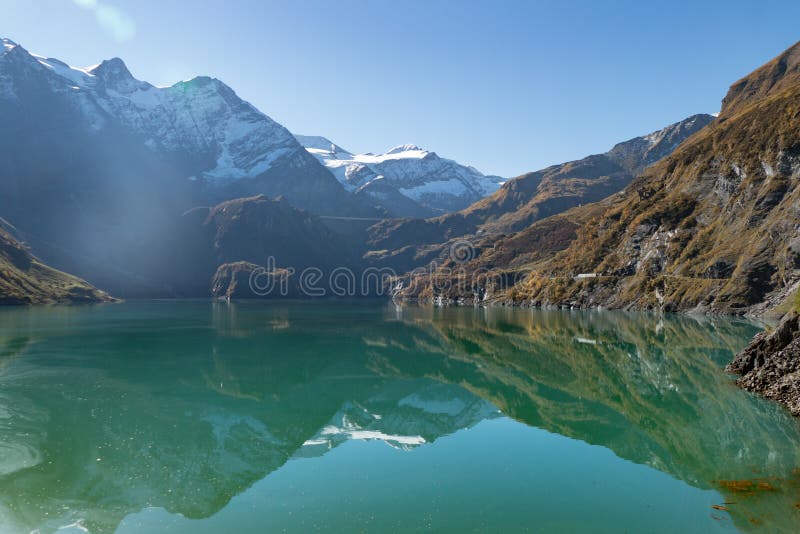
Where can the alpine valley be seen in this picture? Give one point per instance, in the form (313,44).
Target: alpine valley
(103,176)
(186,190)
(209,322)
(170,191)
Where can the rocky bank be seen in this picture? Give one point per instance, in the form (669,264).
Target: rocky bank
(770,364)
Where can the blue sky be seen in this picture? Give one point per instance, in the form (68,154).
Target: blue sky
(508,87)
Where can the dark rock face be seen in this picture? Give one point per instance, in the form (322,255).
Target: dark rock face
(721,269)
(225,243)
(770,365)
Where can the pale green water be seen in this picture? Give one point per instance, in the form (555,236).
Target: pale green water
(264,417)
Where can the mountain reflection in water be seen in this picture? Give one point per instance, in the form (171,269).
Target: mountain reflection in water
(106,411)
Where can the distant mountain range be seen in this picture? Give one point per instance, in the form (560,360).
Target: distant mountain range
(98,166)
(199,132)
(185,190)
(432,184)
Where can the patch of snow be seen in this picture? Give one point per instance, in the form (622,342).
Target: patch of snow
(321,144)
(442,187)
(374,434)
(79,77)
(768,170)
(450,407)
(313,442)
(8,44)
(353,432)
(404,148)
(655,137)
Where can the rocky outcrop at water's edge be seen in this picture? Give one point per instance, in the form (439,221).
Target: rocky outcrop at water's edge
(770,364)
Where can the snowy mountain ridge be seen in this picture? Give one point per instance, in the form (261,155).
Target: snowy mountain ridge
(420,417)
(436,183)
(201,116)
(208,135)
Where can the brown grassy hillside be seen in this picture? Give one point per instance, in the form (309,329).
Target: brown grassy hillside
(714,226)
(533,196)
(25,280)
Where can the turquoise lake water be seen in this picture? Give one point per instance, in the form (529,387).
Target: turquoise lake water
(363,416)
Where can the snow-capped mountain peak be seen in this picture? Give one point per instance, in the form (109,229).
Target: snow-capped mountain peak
(405,148)
(433,183)
(206,133)
(8,44)
(203,115)
(115,74)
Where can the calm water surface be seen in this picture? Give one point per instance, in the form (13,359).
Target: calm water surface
(200,417)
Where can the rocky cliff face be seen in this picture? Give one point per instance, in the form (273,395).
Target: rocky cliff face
(780,74)
(214,250)
(770,365)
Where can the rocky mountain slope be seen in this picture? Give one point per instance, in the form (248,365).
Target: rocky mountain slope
(780,74)
(523,200)
(26,280)
(407,180)
(713,227)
